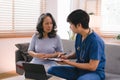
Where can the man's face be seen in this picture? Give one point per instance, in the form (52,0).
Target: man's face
(73,28)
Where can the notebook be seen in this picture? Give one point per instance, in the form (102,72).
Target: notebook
(35,71)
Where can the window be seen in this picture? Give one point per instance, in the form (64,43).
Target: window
(26,13)
(106,17)
(110,10)
(19,15)
(105,20)
(63,11)
(6,15)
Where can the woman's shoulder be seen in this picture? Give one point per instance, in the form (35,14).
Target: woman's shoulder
(36,34)
(57,36)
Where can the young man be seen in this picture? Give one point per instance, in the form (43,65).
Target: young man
(89,52)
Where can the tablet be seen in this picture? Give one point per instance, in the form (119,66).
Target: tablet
(54,59)
(35,71)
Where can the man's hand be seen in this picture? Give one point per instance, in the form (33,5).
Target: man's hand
(63,61)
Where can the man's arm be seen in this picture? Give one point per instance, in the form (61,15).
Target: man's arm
(71,56)
(67,56)
(92,65)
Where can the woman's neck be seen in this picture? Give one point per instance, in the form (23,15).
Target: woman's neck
(45,35)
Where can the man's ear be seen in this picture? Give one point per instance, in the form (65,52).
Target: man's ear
(78,25)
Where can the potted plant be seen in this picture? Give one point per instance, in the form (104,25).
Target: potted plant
(118,37)
(71,35)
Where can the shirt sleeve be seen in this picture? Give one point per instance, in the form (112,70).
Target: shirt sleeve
(32,43)
(96,50)
(59,45)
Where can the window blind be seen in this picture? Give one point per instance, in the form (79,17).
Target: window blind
(5,15)
(19,14)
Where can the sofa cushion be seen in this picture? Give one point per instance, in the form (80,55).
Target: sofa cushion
(22,46)
(20,64)
(112,58)
(26,56)
(68,46)
(19,67)
(110,76)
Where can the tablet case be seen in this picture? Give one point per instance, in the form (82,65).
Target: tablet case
(35,71)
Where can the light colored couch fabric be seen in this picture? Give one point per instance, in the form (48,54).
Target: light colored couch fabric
(112,61)
(68,46)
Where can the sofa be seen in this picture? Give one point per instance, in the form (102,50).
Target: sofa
(112,69)
(21,56)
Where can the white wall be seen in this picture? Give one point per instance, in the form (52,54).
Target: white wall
(7,53)
(60,12)
(51,6)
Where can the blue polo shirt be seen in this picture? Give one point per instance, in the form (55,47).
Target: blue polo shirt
(91,48)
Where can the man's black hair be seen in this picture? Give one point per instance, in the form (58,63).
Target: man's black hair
(79,17)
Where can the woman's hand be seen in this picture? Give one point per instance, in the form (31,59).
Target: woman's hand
(45,55)
(31,53)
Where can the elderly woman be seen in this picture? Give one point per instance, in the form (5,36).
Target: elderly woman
(45,42)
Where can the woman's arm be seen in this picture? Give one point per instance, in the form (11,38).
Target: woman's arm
(43,55)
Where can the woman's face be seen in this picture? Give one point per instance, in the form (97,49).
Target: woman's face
(47,24)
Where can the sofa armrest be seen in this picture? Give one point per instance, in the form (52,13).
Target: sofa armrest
(22,56)
(18,56)
(21,53)
(26,56)
(112,58)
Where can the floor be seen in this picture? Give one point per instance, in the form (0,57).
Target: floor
(8,74)
(12,75)
(22,78)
